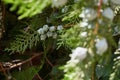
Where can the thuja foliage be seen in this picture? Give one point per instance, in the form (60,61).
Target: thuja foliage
(23,41)
(115,75)
(26,8)
(89,26)
(27,74)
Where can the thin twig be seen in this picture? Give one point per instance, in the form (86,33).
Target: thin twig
(92,42)
(37,73)
(4,71)
(49,62)
(98,16)
(23,62)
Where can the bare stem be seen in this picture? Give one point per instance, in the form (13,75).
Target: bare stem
(92,41)
(93,71)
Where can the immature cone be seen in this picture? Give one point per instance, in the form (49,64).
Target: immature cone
(84,34)
(40,31)
(60,27)
(49,34)
(58,3)
(101,46)
(52,28)
(108,13)
(88,14)
(43,37)
(79,54)
(45,27)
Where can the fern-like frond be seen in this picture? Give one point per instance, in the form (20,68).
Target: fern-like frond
(23,42)
(116,67)
(27,8)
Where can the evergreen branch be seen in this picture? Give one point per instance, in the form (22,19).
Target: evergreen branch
(115,74)
(25,7)
(23,42)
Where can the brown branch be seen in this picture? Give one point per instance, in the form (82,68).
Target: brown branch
(39,77)
(92,41)
(98,16)
(37,73)
(4,71)
(49,62)
(69,25)
(23,62)
(46,76)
